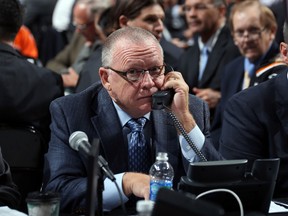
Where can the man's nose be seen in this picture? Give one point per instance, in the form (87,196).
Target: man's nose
(160,26)
(147,78)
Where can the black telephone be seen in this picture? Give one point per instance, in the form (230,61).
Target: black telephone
(162,99)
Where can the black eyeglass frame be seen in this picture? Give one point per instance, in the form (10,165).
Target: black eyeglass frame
(140,72)
(253,33)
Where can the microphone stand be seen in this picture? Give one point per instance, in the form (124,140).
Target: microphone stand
(95,182)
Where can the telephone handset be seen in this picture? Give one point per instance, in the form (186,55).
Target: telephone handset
(163,100)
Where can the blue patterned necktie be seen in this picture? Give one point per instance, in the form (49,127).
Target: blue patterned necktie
(137,149)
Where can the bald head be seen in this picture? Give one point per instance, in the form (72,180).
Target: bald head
(126,37)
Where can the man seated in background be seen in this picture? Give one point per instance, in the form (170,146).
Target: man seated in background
(69,62)
(202,64)
(253,27)
(25,89)
(255,123)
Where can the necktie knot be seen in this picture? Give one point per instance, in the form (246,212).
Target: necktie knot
(136,125)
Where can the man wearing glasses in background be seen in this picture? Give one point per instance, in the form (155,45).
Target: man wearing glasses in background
(253,27)
(255,124)
(132,70)
(203,63)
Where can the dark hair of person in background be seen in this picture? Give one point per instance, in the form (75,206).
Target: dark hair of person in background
(105,21)
(130,9)
(10,25)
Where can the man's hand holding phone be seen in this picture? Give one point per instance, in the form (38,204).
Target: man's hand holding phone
(180,103)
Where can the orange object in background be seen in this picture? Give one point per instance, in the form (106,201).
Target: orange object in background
(25,43)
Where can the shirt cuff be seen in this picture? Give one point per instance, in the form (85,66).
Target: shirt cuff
(197,137)
(111,197)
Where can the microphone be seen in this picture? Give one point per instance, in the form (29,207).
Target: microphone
(78,141)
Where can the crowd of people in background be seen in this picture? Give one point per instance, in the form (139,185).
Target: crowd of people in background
(219,48)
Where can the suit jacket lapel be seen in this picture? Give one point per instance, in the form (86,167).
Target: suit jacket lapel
(215,57)
(193,66)
(235,78)
(108,127)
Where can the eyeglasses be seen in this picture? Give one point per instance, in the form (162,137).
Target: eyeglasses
(252,33)
(198,7)
(82,27)
(134,75)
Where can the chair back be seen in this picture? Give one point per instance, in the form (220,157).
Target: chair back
(23,147)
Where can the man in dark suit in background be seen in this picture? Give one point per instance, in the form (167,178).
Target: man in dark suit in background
(133,69)
(255,124)
(25,95)
(25,89)
(253,27)
(207,20)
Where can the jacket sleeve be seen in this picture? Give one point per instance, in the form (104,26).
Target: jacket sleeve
(201,114)
(64,169)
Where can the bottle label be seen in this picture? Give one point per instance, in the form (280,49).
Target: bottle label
(155,185)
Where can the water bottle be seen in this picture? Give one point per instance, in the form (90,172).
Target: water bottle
(144,207)
(161,175)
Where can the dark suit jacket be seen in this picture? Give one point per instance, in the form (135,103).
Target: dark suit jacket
(232,83)
(26,90)
(223,52)
(255,125)
(90,71)
(92,111)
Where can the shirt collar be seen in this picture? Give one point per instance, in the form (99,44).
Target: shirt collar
(123,116)
(249,66)
(212,40)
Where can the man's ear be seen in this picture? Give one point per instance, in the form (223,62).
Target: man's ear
(104,74)
(123,21)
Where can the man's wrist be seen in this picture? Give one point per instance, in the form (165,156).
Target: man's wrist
(126,189)
(187,121)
